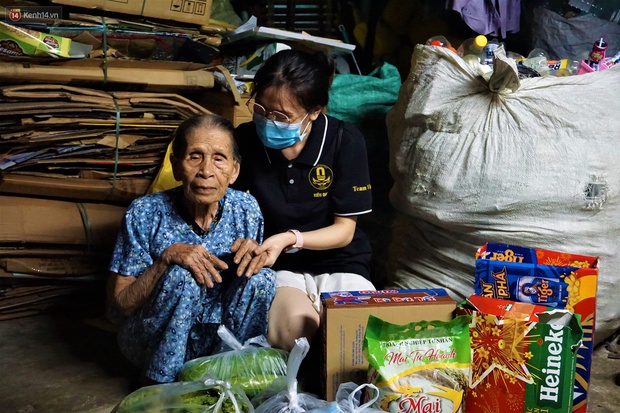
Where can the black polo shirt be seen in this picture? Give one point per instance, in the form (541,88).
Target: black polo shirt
(329,177)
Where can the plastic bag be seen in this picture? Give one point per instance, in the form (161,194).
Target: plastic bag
(253,365)
(289,400)
(571,38)
(348,400)
(208,396)
(165,178)
(355,98)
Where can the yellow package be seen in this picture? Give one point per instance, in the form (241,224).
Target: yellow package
(19,41)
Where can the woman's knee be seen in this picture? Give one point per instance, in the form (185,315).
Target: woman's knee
(284,333)
(178,278)
(292,316)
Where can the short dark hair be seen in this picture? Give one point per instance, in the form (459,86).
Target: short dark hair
(307,76)
(208,121)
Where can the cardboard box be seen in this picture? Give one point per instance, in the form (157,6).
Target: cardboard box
(225,104)
(550,278)
(156,76)
(250,32)
(344,317)
(186,11)
(523,356)
(45,221)
(102,190)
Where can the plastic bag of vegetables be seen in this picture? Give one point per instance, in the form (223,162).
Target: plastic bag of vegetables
(208,396)
(289,400)
(253,365)
(348,400)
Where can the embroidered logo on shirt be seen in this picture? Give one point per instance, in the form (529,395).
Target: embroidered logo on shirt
(321,177)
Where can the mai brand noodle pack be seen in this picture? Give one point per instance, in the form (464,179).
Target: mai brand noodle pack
(421,367)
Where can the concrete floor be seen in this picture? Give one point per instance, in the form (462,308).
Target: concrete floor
(61,363)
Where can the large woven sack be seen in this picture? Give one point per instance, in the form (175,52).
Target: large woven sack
(532,162)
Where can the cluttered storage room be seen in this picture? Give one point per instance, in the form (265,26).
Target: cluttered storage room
(455,248)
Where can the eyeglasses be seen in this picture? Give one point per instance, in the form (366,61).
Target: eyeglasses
(272,115)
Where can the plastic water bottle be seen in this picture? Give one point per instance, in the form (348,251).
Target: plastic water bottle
(489,51)
(440,41)
(537,60)
(518,58)
(562,67)
(473,46)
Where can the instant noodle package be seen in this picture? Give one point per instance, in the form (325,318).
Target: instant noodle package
(523,356)
(550,278)
(344,318)
(420,367)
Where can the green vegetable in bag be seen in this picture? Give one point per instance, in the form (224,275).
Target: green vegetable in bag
(210,396)
(251,367)
(254,369)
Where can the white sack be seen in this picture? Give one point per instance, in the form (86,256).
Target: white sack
(476,162)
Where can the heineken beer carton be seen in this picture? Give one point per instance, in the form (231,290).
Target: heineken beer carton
(523,356)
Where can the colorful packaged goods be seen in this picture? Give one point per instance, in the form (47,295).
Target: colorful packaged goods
(549,278)
(344,317)
(419,367)
(523,356)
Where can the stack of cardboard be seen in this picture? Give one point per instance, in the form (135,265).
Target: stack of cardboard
(62,149)
(80,139)
(51,248)
(85,144)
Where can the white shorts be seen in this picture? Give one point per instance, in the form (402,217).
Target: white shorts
(314,285)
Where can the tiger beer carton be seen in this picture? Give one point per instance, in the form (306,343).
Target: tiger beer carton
(344,318)
(549,278)
(523,356)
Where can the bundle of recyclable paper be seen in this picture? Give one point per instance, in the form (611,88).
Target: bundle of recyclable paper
(85,144)
(530,162)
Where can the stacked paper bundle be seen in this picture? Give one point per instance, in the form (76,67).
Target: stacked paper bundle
(85,144)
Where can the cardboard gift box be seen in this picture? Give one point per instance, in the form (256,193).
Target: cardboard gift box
(344,317)
(523,356)
(549,278)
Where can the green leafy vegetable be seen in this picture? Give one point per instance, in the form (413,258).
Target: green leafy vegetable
(254,369)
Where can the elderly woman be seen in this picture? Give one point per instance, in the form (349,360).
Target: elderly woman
(173,273)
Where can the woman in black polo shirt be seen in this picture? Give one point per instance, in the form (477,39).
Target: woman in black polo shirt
(309,173)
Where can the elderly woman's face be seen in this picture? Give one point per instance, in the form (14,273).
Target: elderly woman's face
(207,167)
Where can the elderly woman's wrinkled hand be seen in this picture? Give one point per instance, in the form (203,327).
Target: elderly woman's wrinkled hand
(248,262)
(203,265)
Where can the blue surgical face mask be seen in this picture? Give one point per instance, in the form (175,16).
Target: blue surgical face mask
(278,135)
